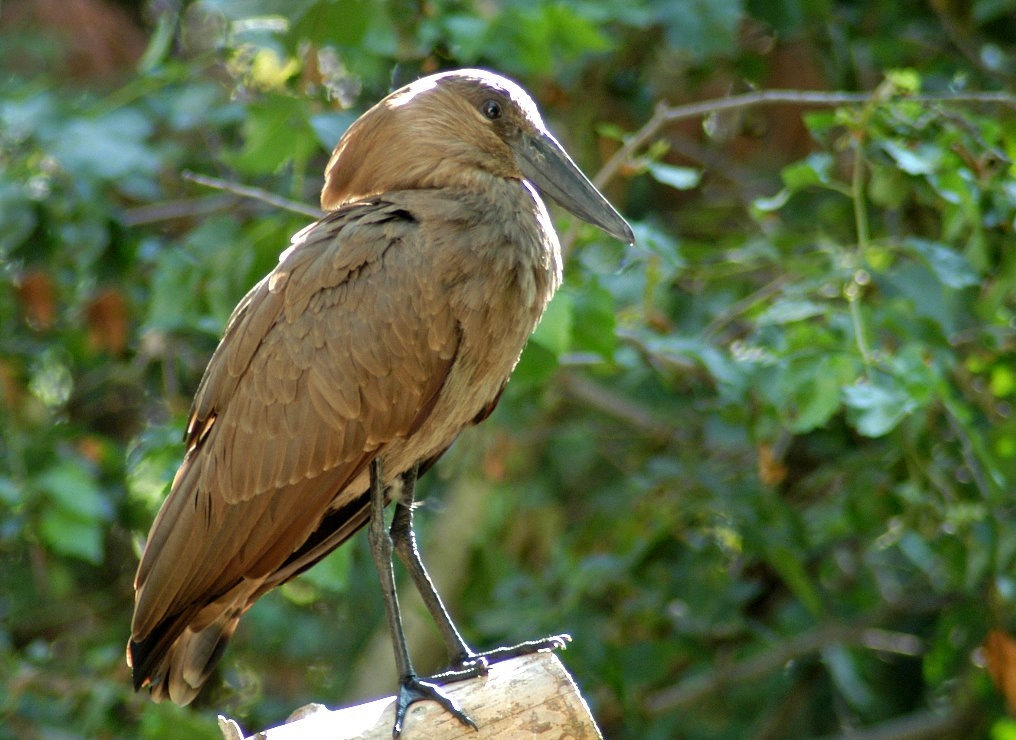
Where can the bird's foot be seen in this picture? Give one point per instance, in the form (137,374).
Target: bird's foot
(479,662)
(414,689)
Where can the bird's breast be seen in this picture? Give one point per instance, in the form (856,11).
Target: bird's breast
(499,268)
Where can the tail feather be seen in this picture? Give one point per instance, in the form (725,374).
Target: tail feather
(177,654)
(178,672)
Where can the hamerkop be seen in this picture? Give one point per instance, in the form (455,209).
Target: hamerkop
(387,327)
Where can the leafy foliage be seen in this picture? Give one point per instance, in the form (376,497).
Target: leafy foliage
(760,466)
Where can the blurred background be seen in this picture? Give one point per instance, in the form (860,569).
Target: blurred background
(760,466)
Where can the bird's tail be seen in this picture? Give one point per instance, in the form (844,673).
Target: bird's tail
(178,672)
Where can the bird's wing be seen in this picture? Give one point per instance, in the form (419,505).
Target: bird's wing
(342,348)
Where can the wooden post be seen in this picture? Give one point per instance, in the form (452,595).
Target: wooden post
(528,697)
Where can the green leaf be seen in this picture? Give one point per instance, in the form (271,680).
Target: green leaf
(342,22)
(167,720)
(772,203)
(555,328)
(72,535)
(1002,381)
(921,554)
(17,216)
(1004,729)
(152,461)
(786,17)
(844,671)
(925,291)
(904,80)
(878,408)
(534,37)
(680,178)
(788,310)
(811,388)
(535,367)
(952,187)
(919,159)
(949,266)
(74,519)
(700,29)
(725,372)
(468,34)
(815,170)
(277,131)
(791,569)
(887,187)
(71,488)
(660,242)
(572,31)
(594,323)
(21,119)
(332,573)
(9,491)
(329,127)
(110,147)
(173,299)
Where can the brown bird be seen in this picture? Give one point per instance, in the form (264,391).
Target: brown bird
(387,327)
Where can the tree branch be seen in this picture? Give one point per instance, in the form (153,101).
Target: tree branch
(927,725)
(665,115)
(861,633)
(611,404)
(698,687)
(171,210)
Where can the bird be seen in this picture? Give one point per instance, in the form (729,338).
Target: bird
(386,328)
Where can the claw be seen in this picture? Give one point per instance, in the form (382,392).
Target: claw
(412,690)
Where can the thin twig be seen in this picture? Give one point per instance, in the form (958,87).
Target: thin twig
(970,457)
(773,287)
(247,191)
(607,402)
(826,98)
(172,210)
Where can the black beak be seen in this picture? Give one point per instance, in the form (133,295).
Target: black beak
(547,166)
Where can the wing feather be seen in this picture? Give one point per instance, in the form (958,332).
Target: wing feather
(298,397)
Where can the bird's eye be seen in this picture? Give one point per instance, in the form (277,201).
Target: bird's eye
(491,109)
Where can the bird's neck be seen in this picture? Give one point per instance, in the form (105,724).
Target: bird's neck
(520,233)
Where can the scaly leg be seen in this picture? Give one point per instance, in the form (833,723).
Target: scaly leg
(411,688)
(465,662)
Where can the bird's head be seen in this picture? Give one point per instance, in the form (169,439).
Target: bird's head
(454,129)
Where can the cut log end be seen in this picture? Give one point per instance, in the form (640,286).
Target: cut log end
(531,696)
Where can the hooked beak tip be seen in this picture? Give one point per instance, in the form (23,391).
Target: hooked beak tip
(626,235)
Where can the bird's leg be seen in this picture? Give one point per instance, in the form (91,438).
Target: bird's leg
(404,541)
(411,688)
(465,662)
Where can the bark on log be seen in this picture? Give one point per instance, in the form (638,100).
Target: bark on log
(528,697)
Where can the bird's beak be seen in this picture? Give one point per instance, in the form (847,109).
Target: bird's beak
(547,165)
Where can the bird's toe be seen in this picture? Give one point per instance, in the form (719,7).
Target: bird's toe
(414,689)
(498,654)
